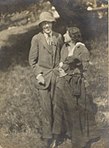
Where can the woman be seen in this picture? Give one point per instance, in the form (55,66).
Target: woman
(71,102)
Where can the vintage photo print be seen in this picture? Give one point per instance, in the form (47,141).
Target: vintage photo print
(54,74)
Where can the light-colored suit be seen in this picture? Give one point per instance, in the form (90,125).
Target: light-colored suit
(44,59)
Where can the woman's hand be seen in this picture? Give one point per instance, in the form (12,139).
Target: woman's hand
(60,64)
(61,72)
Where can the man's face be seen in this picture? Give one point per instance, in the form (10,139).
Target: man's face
(47,27)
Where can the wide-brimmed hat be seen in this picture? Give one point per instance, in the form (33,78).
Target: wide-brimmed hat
(46,17)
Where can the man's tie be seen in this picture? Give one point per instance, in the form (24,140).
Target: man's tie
(49,39)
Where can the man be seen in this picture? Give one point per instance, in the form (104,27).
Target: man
(44,58)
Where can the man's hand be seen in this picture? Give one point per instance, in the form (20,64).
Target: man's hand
(60,64)
(40,79)
(86,83)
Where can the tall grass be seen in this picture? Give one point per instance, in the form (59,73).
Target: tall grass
(19,101)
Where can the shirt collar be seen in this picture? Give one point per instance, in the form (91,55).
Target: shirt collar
(70,44)
(46,35)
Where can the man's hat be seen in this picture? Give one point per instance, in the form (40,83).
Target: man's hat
(46,16)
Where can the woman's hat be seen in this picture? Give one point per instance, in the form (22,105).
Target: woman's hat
(46,17)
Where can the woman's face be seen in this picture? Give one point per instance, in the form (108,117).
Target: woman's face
(47,27)
(67,38)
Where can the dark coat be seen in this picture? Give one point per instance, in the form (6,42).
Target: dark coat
(75,112)
(71,102)
(80,52)
(44,58)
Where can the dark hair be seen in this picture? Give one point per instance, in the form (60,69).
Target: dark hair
(75,34)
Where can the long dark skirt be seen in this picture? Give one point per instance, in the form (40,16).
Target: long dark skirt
(77,110)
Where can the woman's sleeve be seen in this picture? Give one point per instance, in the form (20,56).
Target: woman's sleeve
(85,62)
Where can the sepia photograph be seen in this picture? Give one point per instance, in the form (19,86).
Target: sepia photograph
(54,74)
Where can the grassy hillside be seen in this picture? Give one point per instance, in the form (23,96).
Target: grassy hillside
(19,101)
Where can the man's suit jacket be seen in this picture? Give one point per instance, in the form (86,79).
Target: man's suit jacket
(45,58)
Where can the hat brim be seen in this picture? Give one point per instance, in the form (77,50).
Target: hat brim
(51,21)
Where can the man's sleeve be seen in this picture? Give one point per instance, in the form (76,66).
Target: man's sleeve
(60,41)
(34,55)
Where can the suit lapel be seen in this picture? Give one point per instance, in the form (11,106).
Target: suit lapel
(50,48)
(54,47)
(44,43)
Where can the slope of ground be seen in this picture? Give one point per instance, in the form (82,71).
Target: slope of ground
(19,105)
(19,101)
